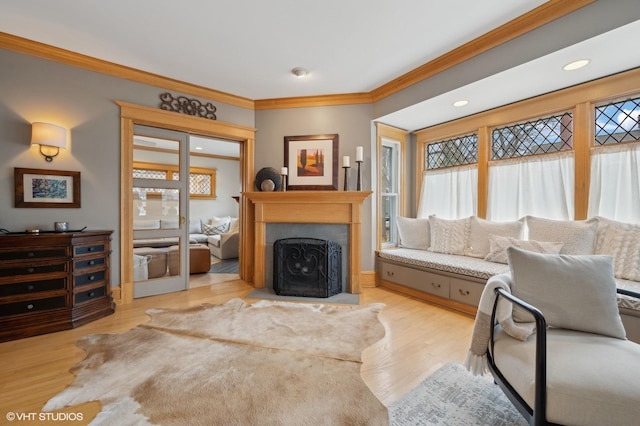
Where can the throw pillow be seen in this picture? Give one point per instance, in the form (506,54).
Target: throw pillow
(414,233)
(448,236)
(622,241)
(499,246)
(234,225)
(573,292)
(577,237)
(480,229)
(195,226)
(218,225)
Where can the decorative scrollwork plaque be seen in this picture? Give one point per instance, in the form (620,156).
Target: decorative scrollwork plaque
(187,106)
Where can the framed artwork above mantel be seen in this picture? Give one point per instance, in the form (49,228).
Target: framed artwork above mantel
(312,162)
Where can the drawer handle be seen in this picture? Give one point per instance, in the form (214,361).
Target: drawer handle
(434,285)
(91,294)
(31,287)
(390,273)
(30,306)
(463,293)
(90,248)
(31,270)
(92,262)
(92,277)
(31,254)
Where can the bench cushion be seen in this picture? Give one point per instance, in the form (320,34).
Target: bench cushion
(463,265)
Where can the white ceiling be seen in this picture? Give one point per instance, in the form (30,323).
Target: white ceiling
(248,47)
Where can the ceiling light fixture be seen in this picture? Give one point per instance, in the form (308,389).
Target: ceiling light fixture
(460,103)
(300,72)
(572,66)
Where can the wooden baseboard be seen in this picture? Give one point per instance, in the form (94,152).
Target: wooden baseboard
(368,279)
(116,295)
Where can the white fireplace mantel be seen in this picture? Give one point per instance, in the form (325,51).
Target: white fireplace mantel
(325,207)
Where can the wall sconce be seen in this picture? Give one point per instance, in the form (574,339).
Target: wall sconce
(50,138)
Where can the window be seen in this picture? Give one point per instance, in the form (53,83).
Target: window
(523,182)
(614,189)
(450,179)
(202,182)
(390,190)
(390,172)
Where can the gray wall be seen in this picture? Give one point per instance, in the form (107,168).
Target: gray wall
(33,89)
(353,125)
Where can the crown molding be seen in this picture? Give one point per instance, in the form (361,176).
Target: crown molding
(314,101)
(67,57)
(543,14)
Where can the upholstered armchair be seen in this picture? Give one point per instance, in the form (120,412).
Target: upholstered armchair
(578,367)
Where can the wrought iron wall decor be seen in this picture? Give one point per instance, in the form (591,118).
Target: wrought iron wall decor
(184,105)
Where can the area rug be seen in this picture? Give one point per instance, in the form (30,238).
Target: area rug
(452,396)
(267,363)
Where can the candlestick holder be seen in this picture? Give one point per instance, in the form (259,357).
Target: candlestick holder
(346,177)
(359,181)
(283,188)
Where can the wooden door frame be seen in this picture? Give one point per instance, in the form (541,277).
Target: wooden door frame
(132,114)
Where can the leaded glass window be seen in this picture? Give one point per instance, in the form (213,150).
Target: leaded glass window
(617,122)
(540,136)
(452,152)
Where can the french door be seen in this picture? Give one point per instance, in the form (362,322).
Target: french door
(160,211)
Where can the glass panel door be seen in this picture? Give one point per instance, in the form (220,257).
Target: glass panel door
(159,211)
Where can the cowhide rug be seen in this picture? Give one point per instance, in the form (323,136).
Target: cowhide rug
(269,363)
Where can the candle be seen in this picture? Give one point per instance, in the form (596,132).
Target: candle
(359,153)
(284,171)
(345,161)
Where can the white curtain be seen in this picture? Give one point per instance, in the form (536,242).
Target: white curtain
(540,186)
(614,191)
(450,193)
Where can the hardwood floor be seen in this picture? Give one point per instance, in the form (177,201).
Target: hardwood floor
(419,339)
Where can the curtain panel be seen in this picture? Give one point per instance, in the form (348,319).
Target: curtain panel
(541,185)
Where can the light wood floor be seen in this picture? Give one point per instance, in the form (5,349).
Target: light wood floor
(419,339)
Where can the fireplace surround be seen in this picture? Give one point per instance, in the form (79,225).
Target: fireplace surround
(309,207)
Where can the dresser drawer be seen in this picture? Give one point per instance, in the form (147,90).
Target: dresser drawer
(89,249)
(29,306)
(33,253)
(466,292)
(88,263)
(32,287)
(90,278)
(88,295)
(27,270)
(435,284)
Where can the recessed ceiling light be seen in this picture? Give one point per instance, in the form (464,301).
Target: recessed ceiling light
(572,66)
(300,72)
(460,103)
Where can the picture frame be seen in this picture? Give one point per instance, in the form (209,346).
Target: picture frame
(312,162)
(40,188)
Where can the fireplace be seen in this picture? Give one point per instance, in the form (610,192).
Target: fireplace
(308,267)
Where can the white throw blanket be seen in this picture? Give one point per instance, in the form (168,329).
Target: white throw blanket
(476,361)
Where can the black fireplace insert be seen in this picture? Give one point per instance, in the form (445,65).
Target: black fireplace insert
(308,267)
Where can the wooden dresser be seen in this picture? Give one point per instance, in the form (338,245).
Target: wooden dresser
(53,281)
